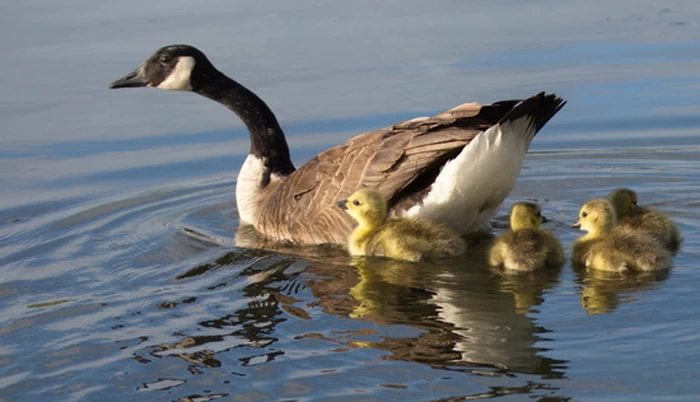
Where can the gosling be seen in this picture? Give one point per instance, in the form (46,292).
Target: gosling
(409,239)
(526,247)
(632,217)
(610,249)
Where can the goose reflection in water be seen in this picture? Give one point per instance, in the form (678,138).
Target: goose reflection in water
(454,314)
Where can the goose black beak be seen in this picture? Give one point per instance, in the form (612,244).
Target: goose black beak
(342,204)
(132,80)
(577,224)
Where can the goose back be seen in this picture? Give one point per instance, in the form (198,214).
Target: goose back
(400,162)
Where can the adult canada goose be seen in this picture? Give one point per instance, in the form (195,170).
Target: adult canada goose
(631,216)
(607,248)
(456,167)
(410,239)
(526,247)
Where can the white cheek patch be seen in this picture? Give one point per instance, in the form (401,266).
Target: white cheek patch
(179,78)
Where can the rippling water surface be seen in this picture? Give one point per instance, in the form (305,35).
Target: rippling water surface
(119,275)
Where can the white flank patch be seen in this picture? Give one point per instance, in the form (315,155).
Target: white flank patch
(179,78)
(248,189)
(473,185)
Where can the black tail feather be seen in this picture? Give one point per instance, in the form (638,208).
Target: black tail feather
(540,107)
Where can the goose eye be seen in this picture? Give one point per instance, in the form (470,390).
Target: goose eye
(584,214)
(356,203)
(165,59)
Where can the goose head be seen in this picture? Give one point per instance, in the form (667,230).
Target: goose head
(367,207)
(526,215)
(623,201)
(595,217)
(173,67)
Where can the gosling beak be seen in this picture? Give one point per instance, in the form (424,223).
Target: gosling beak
(342,204)
(545,219)
(132,80)
(577,224)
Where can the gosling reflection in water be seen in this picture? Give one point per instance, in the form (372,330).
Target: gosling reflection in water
(471,316)
(468,317)
(528,288)
(603,291)
(384,286)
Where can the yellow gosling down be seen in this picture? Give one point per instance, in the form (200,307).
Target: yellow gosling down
(526,247)
(410,239)
(632,217)
(607,248)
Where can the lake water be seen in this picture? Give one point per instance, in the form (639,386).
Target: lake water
(108,293)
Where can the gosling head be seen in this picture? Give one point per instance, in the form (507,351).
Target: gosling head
(623,201)
(173,67)
(367,207)
(526,215)
(596,216)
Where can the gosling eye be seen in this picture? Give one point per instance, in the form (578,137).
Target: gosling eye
(539,214)
(356,203)
(584,214)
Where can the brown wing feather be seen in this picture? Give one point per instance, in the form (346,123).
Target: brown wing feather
(391,161)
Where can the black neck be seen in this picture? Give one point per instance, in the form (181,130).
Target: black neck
(267,140)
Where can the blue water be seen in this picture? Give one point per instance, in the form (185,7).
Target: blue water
(111,287)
